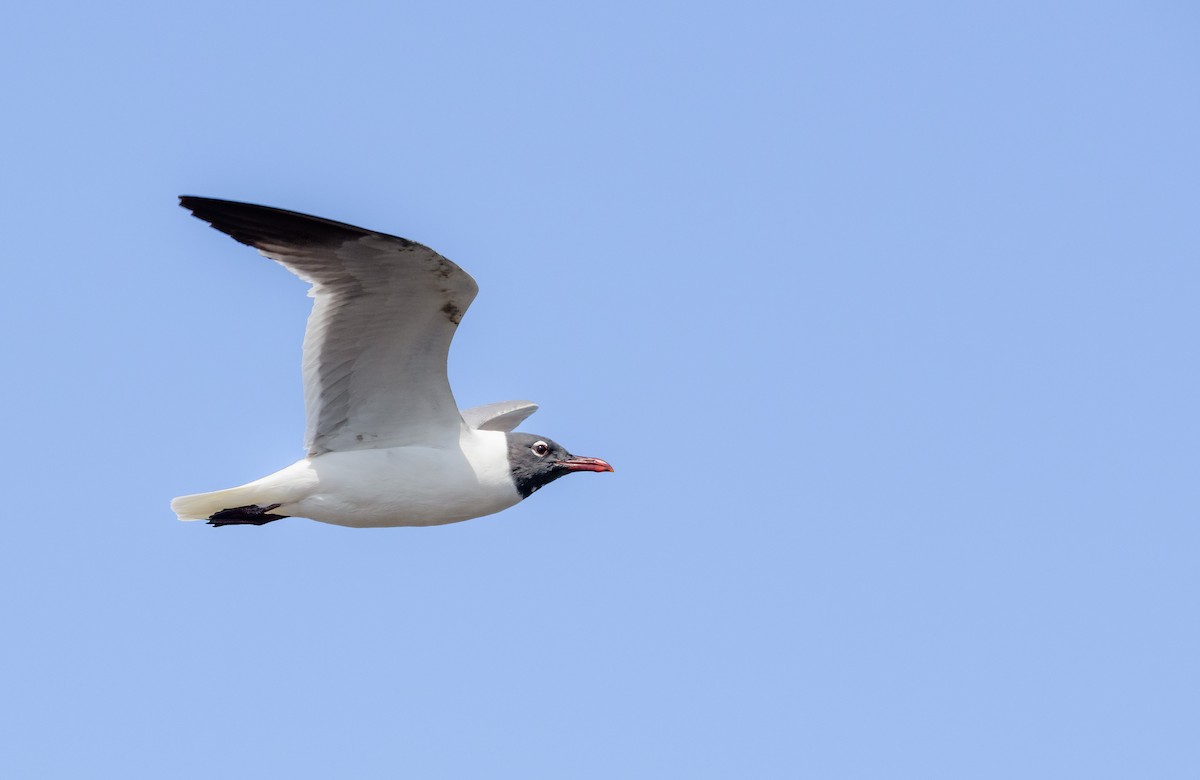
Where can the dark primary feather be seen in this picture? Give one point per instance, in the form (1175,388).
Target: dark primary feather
(265,227)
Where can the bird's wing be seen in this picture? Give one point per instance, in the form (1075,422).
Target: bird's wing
(385,310)
(500,416)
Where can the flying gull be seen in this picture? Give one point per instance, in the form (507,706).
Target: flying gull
(387,444)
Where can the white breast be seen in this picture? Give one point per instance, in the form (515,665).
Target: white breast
(409,485)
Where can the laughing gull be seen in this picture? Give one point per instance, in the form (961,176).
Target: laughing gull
(386,442)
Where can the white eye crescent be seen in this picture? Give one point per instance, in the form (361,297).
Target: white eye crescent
(540,448)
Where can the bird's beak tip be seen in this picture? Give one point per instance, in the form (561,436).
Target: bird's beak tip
(587,464)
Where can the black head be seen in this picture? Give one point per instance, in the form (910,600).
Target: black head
(536,461)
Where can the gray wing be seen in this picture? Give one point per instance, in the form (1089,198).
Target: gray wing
(501,416)
(385,310)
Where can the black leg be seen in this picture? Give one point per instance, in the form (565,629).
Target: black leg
(245,515)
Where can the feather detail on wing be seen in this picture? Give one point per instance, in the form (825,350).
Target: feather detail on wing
(385,311)
(501,416)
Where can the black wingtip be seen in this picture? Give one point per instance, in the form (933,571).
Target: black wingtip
(192,202)
(208,208)
(198,205)
(264,226)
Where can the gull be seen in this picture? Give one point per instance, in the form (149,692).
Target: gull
(386,443)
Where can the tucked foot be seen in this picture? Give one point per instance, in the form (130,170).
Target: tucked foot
(245,515)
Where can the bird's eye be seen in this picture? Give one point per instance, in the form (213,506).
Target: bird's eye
(540,448)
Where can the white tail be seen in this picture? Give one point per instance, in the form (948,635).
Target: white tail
(201,506)
(282,487)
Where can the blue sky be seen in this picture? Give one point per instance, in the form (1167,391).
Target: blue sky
(886,316)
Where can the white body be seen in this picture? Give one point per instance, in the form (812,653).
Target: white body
(386,442)
(411,485)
